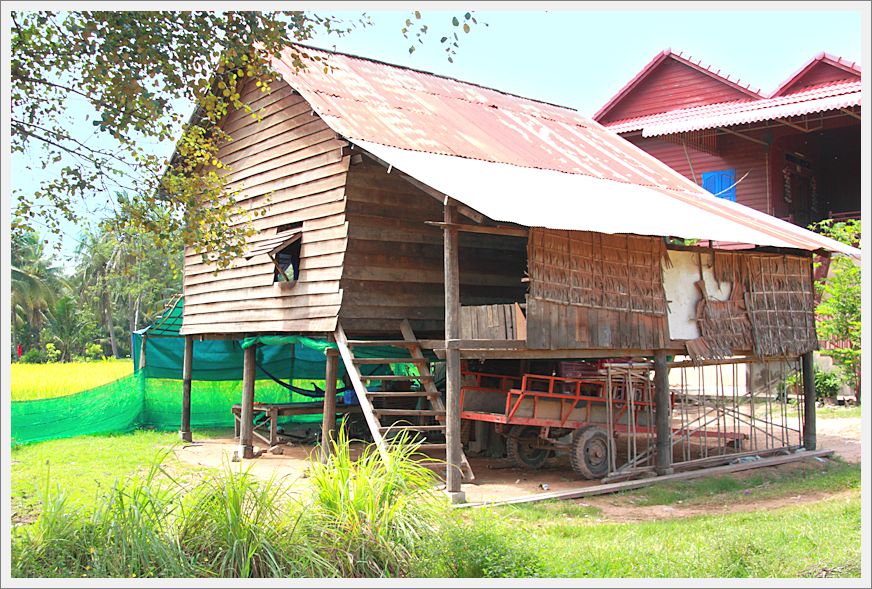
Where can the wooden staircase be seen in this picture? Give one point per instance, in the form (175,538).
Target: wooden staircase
(385,422)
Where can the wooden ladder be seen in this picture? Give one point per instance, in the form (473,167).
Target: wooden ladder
(387,422)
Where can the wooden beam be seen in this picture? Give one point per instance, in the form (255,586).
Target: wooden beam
(185,429)
(328,423)
(851,113)
(510,231)
(638,484)
(663,414)
(246,446)
(743,136)
(452,356)
(809,427)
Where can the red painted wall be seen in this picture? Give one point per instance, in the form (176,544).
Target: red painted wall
(672,85)
(734,152)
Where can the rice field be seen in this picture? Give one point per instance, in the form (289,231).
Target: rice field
(43,381)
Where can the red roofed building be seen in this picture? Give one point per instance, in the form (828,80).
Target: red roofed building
(794,153)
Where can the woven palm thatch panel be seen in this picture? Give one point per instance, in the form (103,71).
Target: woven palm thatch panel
(595,290)
(724,326)
(780,302)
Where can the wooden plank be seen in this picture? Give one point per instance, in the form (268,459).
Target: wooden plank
(316,325)
(308,134)
(256,160)
(264,303)
(268,178)
(283,158)
(322,191)
(638,484)
(275,135)
(287,107)
(254,315)
(270,127)
(304,176)
(187,365)
(360,390)
(269,291)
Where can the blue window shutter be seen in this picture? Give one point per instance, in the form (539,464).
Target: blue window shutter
(720,183)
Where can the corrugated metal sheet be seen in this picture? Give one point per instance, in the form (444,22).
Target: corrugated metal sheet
(556,200)
(520,160)
(819,99)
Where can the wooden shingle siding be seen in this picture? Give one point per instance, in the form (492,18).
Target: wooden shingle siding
(393,266)
(287,168)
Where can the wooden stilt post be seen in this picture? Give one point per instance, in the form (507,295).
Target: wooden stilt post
(246,447)
(663,414)
(452,356)
(809,428)
(328,424)
(185,429)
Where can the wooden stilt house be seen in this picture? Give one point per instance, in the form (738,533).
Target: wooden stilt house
(401,208)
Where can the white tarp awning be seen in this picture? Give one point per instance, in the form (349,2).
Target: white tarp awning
(557,200)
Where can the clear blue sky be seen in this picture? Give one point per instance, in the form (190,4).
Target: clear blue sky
(580,58)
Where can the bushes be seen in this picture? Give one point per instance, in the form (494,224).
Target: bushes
(827,384)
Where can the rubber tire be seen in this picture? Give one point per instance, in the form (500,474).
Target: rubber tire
(589,456)
(519,452)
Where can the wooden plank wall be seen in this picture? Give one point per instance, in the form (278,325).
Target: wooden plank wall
(592,290)
(393,265)
(291,168)
(501,322)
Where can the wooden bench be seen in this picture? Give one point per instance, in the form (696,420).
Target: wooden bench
(266,416)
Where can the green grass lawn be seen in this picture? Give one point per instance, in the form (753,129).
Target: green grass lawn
(806,541)
(756,485)
(85,466)
(42,381)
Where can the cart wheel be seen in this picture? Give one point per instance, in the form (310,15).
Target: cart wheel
(521,447)
(590,452)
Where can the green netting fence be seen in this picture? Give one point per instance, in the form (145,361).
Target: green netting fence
(152,396)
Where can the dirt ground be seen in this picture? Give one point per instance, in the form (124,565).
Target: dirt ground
(499,479)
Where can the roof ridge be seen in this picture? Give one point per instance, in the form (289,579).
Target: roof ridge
(435,75)
(656,61)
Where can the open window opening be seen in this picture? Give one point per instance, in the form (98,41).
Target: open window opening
(287,261)
(283,249)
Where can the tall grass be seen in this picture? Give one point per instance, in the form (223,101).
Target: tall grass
(362,518)
(374,515)
(43,381)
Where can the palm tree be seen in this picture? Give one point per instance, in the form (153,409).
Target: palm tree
(35,284)
(97,257)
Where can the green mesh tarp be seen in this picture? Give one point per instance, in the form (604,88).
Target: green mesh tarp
(113,407)
(152,397)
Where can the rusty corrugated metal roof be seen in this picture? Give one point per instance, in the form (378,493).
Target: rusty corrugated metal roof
(830,96)
(416,112)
